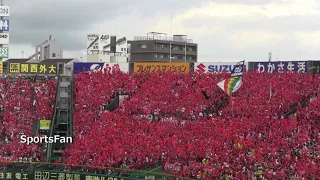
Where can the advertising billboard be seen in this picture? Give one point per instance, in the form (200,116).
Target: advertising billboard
(4,25)
(104,42)
(33,68)
(281,66)
(216,67)
(4,52)
(121,45)
(161,67)
(79,67)
(92,42)
(4,38)
(1,67)
(45,124)
(4,11)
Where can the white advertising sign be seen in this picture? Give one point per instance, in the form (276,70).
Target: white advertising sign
(121,44)
(79,67)
(104,42)
(4,52)
(216,66)
(92,42)
(4,38)
(4,11)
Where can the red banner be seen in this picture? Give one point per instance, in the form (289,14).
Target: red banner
(172,166)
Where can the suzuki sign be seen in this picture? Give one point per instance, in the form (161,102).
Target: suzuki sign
(216,67)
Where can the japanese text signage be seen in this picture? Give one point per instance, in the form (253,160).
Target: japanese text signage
(4,11)
(93,42)
(4,38)
(281,66)
(4,25)
(79,67)
(15,176)
(161,67)
(4,52)
(49,175)
(32,68)
(216,67)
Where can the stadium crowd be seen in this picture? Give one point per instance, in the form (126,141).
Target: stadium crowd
(184,119)
(23,102)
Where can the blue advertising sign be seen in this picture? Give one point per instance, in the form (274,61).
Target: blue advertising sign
(4,25)
(281,66)
(79,67)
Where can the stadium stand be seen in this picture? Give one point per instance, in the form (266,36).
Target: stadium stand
(183,121)
(167,117)
(23,102)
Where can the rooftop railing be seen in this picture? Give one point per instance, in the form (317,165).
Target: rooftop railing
(162,38)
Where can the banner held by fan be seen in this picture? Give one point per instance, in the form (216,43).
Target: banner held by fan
(233,83)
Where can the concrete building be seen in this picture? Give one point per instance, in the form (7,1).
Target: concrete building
(155,47)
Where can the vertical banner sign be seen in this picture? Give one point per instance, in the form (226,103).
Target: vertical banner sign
(121,45)
(4,38)
(105,42)
(4,25)
(4,11)
(4,52)
(1,67)
(281,66)
(92,42)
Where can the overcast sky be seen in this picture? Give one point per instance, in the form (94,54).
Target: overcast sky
(225,30)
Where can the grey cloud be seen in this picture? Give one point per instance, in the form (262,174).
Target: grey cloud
(260,22)
(32,21)
(68,20)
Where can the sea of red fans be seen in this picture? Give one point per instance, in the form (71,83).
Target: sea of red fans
(166,117)
(23,103)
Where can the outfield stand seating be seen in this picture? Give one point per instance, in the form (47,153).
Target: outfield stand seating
(18,116)
(167,117)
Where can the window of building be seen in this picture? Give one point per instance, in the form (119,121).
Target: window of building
(155,55)
(53,54)
(161,56)
(165,56)
(181,48)
(143,46)
(179,57)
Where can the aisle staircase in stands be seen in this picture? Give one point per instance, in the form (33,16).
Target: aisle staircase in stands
(62,121)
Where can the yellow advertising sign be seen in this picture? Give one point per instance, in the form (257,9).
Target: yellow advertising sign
(31,68)
(161,67)
(1,67)
(45,124)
